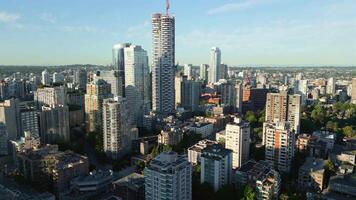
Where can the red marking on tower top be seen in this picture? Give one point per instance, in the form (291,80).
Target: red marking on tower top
(167,7)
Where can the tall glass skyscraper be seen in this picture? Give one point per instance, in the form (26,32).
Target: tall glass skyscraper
(163,59)
(118,61)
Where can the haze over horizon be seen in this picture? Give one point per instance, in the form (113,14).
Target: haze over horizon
(248,32)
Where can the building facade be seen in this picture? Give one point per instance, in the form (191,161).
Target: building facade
(168,176)
(237,139)
(163,61)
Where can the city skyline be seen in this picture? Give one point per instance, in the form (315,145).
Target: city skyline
(258,32)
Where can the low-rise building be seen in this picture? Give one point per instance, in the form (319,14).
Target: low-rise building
(170,137)
(347,156)
(261,176)
(302,143)
(311,174)
(131,187)
(194,152)
(94,185)
(203,129)
(344,184)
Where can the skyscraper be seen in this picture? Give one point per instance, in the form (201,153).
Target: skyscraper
(238,140)
(80,78)
(215,64)
(282,107)
(50,96)
(118,60)
(279,139)
(188,71)
(112,77)
(330,87)
(137,82)
(96,92)
(168,176)
(239,97)
(301,88)
(46,79)
(163,60)
(204,74)
(116,124)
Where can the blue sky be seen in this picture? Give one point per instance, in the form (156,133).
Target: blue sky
(261,32)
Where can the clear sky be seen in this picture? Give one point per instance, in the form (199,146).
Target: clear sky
(51,32)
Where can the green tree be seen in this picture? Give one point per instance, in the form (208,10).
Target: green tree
(250,117)
(248,193)
(140,165)
(348,131)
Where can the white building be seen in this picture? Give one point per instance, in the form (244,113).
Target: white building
(46,77)
(187,93)
(117,128)
(214,69)
(353,91)
(194,152)
(279,140)
(330,86)
(137,87)
(301,88)
(163,35)
(50,96)
(216,166)
(238,140)
(188,71)
(168,176)
(203,129)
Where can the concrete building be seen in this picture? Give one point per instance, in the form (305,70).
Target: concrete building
(353,91)
(172,173)
(283,107)
(301,88)
(223,71)
(50,96)
(3,139)
(204,73)
(330,86)
(137,86)
(47,167)
(118,60)
(239,97)
(58,78)
(46,78)
(195,151)
(131,187)
(80,78)
(238,140)
(92,186)
(262,177)
(343,184)
(280,144)
(27,143)
(188,71)
(215,64)
(203,129)
(29,121)
(170,137)
(96,93)
(216,166)
(9,116)
(54,124)
(117,128)
(187,93)
(163,61)
(112,78)
(311,174)
(303,142)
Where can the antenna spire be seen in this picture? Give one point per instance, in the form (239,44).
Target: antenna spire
(167,7)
